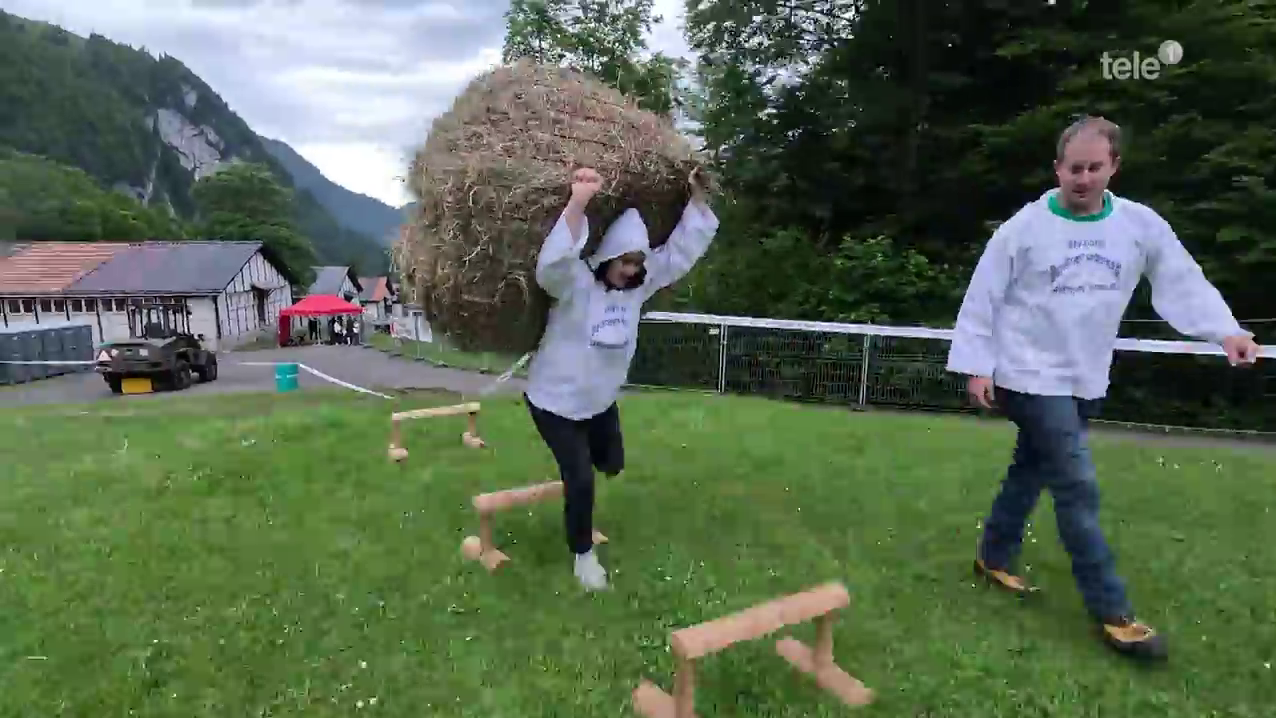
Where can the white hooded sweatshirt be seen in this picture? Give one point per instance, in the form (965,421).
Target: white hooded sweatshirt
(589,342)
(1043,309)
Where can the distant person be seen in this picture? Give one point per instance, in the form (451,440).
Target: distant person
(1036,334)
(589,342)
(313,325)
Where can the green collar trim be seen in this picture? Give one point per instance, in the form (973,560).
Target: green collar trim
(1057,208)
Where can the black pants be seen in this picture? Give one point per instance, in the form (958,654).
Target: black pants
(579,447)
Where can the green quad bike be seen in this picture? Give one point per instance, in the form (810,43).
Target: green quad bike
(160,353)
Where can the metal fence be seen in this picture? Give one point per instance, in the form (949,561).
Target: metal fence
(1161,383)
(31,353)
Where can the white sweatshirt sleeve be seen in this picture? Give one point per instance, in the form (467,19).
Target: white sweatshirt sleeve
(973,351)
(559,268)
(1181,294)
(688,243)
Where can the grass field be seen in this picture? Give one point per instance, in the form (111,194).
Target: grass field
(257,556)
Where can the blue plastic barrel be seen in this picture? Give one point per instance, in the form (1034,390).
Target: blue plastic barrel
(286,377)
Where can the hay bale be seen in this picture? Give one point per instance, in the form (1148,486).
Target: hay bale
(493,178)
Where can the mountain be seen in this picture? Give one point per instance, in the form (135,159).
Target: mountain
(143,126)
(359,212)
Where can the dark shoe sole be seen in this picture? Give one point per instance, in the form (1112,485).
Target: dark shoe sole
(1149,650)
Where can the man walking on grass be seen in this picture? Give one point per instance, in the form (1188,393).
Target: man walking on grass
(1036,333)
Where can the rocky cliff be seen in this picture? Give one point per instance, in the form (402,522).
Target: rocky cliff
(144,125)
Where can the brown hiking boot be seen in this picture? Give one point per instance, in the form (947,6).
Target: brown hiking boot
(1004,580)
(1131,638)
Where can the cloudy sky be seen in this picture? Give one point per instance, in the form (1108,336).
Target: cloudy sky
(351,84)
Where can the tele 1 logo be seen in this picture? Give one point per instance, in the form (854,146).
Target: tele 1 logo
(1141,67)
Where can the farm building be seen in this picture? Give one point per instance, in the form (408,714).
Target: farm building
(336,281)
(234,290)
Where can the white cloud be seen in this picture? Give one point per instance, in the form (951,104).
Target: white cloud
(369,168)
(445,75)
(350,84)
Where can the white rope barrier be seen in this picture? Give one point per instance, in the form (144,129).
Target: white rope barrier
(306,368)
(505,375)
(338,382)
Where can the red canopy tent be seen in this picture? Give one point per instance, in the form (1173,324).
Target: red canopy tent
(321,305)
(315,305)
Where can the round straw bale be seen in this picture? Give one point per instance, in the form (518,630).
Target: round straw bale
(493,178)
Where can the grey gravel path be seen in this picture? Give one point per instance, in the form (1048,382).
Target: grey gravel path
(356,365)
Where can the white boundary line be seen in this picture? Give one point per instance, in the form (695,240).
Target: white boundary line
(50,363)
(304,367)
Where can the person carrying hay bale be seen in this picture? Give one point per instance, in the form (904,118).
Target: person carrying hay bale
(584,356)
(489,184)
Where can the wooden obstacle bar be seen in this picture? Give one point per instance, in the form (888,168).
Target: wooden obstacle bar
(470,437)
(690,644)
(481,548)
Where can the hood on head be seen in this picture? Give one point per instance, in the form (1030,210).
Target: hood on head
(627,234)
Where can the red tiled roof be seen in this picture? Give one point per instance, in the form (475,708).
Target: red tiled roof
(374,289)
(50,267)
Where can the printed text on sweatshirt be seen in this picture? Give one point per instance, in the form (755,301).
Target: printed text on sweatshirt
(1044,306)
(591,337)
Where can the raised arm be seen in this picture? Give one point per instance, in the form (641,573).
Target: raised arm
(1182,295)
(687,244)
(558,267)
(973,351)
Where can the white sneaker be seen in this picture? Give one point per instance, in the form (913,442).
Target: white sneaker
(589,572)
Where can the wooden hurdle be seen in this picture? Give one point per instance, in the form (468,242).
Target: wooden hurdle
(704,639)
(470,438)
(481,548)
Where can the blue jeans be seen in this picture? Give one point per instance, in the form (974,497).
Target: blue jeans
(1051,454)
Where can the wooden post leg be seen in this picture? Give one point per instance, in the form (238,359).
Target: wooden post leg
(490,556)
(396,450)
(823,654)
(817,662)
(485,532)
(471,436)
(684,689)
